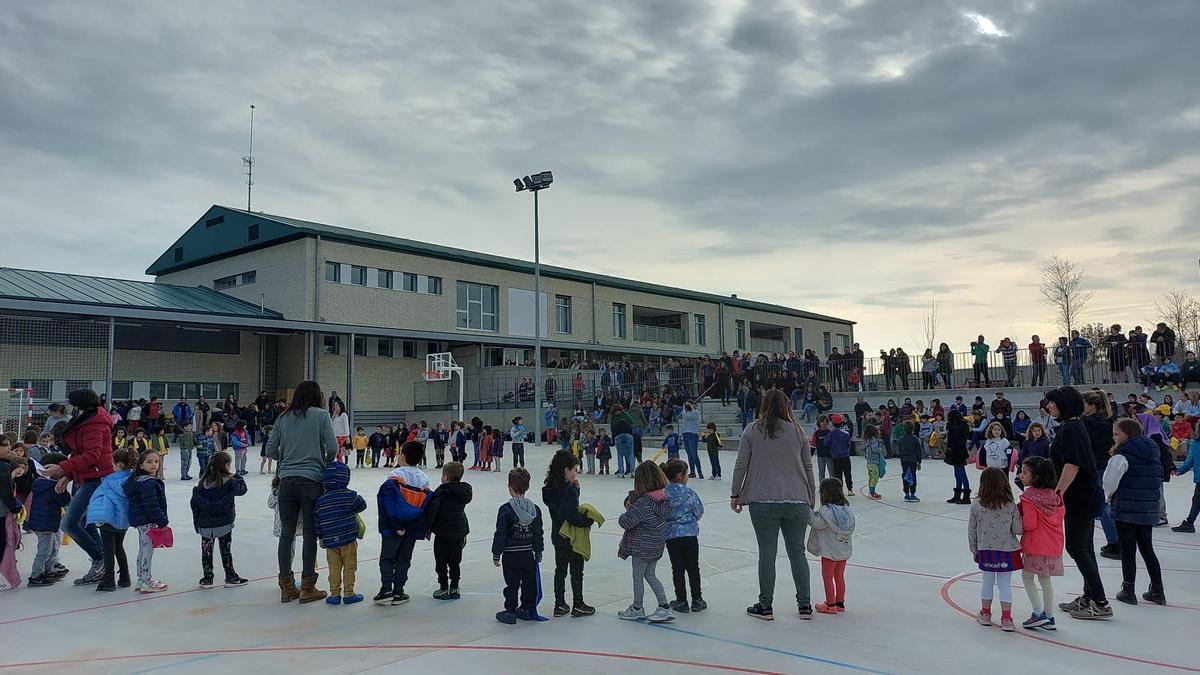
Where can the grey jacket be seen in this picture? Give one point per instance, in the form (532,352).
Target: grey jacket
(773,469)
(303,444)
(994,530)
(832,529)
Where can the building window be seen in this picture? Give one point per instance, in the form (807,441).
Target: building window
(214,221)
(798,343)
(410,282)
(698,321)
(478,306)
(235,280)
(433,348)
(562,313)
(618,316)
(408,349)
(360,346)
(827,343)
(252,232)
(122,391)
(333,272)
(739,327)
(385,279)
(433,285)
(178,254)
(843,343)
(330,344)
(358,275)
(385,347)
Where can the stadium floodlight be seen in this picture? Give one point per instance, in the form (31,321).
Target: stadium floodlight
(535,183)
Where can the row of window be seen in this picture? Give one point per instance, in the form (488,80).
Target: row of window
(235,280)
(371,346)
(359,275)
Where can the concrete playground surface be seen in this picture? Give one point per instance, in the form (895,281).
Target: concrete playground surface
(912,594)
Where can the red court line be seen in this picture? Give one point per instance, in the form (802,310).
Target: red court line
(945,592)
(317,648)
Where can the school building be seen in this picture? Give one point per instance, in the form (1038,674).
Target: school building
(246,301)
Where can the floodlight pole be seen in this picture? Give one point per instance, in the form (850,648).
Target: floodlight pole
(537,327)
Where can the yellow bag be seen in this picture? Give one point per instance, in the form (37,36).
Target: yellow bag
(66,540)
(935,440)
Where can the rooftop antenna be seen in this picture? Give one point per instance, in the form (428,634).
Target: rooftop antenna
(248,161)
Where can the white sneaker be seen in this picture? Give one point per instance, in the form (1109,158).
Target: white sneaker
(661,615)
(632,613)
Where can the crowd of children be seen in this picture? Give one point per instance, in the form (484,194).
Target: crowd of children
(1006,532)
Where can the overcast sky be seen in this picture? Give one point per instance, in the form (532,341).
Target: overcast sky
(849,157)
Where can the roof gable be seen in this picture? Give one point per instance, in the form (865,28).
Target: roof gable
(220,232)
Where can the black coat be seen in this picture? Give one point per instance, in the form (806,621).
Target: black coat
(957,436)
(563,504)
(446,515)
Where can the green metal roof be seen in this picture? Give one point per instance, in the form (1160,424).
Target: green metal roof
(76,289)
(188,242)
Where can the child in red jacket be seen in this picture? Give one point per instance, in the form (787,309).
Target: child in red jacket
(1041,539)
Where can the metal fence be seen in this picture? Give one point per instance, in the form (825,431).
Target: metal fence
(513,385)
(51,357)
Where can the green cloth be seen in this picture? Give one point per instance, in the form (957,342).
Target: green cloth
(581,537)
(980,350)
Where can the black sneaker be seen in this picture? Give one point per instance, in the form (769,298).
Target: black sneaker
(1155,596)
(680,606)
(525,614)
(699,605)
(39,580)
(1186,527)
(206,583)
(561,609)
(106,586)
(93,575)
(399,599)
(58,571)
(1111,551)
(124,581)
(506,617)
(758,611)
(581,608)
(383,597)
(453,593)
(441,593)
(805,611)
(234,581)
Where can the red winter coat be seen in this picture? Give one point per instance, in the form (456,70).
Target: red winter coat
(91,449)
(1042,517)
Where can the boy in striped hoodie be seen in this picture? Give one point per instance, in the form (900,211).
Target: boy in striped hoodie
(334,514)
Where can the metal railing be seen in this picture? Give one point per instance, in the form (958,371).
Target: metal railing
(647,333)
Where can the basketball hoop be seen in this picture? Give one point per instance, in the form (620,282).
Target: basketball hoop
(441,368)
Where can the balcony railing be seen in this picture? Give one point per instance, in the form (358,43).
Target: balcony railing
(675,336)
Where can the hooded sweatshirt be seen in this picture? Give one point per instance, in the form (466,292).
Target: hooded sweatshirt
(334,511)
(401,502)
(645,525)
(832,532)
(1042,515)
(518,529)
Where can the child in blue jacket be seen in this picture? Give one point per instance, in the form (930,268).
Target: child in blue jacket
(683,532)
(1191,464)
(45,517)
(108,510)
(401,502)
(147,509)
(334,513)
(671,442)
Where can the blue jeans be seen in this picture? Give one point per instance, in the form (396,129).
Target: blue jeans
(1077,372)
(1109,527)
(624,443)
(691,444)
(807,412)
(74,522)
(960,478)
(1064,372)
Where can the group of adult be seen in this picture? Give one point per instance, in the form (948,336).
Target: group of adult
(773,478)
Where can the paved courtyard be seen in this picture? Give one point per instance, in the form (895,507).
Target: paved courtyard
(912,591)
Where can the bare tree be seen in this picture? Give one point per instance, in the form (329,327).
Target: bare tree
(1061,287)
(1180,311)
(930,323)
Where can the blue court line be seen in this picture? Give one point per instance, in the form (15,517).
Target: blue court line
(806,657)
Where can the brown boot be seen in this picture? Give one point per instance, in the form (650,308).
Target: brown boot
(287,587)
(309,591)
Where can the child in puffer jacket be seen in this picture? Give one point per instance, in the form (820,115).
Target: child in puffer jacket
(147,509)
(45,518)
(108,510)
(213,513)
(832,529)
(645,525)
(337,527)
(683,545)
